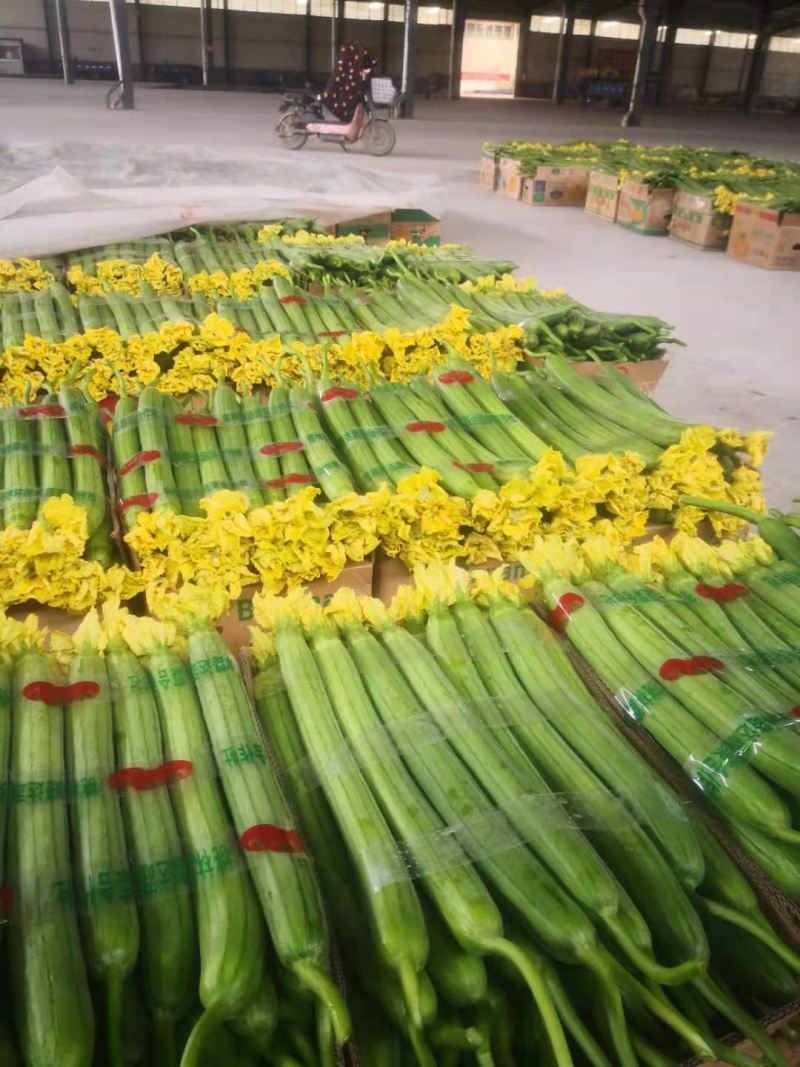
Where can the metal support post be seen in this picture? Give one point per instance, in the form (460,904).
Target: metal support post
(707,61)
(139,39)
(206,41)
(409,57)
(665,62)
(226,37)
(456,48)
(122,50)
(564,48)
(63,41)
(649,13)
(309,43)
(340,30)
(385,40)
(760,55)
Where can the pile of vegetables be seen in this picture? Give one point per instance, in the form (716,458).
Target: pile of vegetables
(266,281)
(700,647)
(477,438)
(728,177)
(52,445)
(162,906)
(507,879)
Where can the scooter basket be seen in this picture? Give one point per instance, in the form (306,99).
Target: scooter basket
(383,91)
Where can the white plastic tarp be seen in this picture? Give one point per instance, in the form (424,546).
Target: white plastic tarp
(58,198)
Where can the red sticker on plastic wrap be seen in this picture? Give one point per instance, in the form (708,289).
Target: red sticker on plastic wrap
(624,370)
(109,403)
(139,460)
(50,411)
(268,838)
(143,779)
(723,594)
(795,711)
(280,447)
(87,450)
(195,419)
(561,613)
(332,333)
(339,392)
(289,479)
(141,500)
(6,898)
(426,427)
(293,300)
(53,695)
(452,377)
(673,669)
(476,468)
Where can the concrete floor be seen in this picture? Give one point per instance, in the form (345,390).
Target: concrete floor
(742,364)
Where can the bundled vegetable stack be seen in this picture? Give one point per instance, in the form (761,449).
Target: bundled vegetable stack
(56,444)
(161,905)
(552,440)
(728,177)
(533,890)
(700,647)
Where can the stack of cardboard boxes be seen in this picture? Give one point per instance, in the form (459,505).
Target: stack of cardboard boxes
(756,234)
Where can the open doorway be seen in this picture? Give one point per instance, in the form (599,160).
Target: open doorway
(489,58)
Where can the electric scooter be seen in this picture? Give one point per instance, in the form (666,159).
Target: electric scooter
(304,117)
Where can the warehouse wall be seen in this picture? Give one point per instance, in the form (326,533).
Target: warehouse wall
(259,43)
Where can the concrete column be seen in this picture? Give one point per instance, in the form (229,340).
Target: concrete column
(122,50)
(409,57)
(63,41)
(456,48)
(650,14)
(564,49)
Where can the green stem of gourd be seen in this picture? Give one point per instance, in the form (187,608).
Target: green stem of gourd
(669,1015)
(419,1046)
(410,986)
(517,957)
(615,1013)
(323,986)
(208,1022)
(744,922)
(325,1037)
(116,1057)
(730,1010)
(649,966)
(164,1032)
(580,1033)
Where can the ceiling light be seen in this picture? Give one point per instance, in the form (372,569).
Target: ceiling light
(552,18)
(611,24)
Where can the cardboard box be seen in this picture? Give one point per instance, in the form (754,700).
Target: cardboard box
(602,195)
(372,228)
(695,221)
(410,224)
(235,626)
(765,237)
(556,187)
(646,374)
(509,181)
(488,174)
(645,210)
